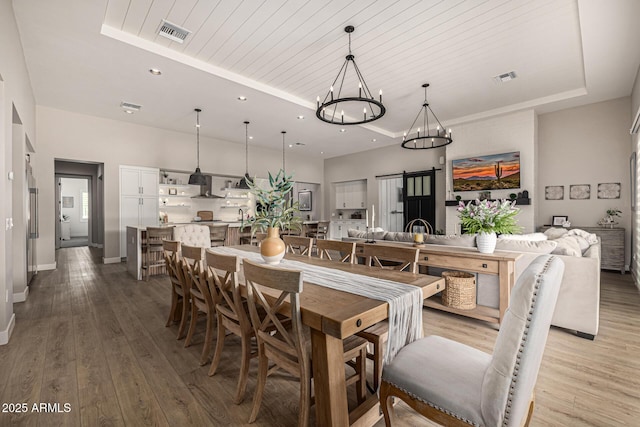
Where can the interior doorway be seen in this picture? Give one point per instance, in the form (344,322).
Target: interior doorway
(75,211)
(391,203)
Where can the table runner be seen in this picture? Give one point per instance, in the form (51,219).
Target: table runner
(405,301)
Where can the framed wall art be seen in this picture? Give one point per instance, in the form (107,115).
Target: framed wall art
(559,220)
(609,190)
(580,192)
(304,200)
(554,192)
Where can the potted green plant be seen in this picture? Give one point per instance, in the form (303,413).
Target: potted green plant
(486,218)
(275,210)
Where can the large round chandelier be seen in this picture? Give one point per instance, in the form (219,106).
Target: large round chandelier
(338,109)
(427,139)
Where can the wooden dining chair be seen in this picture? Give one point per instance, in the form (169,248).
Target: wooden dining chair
(191,256)
(403,258)
(457,385)
(286,346)
(152,249)
(299,245)
(218,234)
(178,311)
(342,251)
(392,257)
(322,230)
(231,314)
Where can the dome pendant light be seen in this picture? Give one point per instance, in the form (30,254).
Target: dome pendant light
(197,178)
(244,182)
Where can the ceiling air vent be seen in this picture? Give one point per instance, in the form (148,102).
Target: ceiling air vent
(173,32)
(506,77)
(130,106)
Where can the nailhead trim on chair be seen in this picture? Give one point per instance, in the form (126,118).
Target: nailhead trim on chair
(514,375)
(446,411)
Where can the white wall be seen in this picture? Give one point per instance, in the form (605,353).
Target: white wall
(381,161)
(72,136)
(74,187)
(15,90)
(512,132)
(586,145)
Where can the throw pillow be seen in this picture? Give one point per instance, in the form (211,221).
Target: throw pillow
(531,237)
(539,247)
(555,233)
(590,237)
(352,232)
(567,245)
(399,236)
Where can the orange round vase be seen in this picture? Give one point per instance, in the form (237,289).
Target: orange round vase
(272,247)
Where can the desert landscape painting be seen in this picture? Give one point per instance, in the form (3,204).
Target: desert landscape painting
(494,172)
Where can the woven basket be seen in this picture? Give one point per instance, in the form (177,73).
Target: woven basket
(460,290)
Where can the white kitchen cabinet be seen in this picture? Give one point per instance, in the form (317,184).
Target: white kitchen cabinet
(351,194)
(339,229)
(138,200)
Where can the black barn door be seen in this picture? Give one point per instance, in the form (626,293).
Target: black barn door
(419,191)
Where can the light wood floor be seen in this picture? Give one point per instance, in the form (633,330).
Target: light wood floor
(91,336)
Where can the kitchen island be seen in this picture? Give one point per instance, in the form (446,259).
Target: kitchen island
(136,238)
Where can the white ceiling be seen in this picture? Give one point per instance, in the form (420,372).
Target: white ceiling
(88,56)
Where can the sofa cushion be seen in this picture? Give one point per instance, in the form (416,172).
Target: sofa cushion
(398,236)
(567,245)
(531,237)
(554,232)
(540,247)
(465,240)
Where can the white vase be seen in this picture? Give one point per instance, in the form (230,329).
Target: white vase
(486,242)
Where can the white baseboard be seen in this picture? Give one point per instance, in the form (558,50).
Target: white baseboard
(6,334)
(21,296)
(114,260)
(45,267)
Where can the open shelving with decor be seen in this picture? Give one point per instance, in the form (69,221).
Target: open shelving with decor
(519,202)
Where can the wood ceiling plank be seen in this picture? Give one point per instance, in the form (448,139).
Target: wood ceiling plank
(136,15)
(116,12)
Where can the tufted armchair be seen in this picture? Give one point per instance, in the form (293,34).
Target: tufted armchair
(457,385)
(193,235)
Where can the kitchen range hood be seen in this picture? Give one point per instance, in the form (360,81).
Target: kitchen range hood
(206,191)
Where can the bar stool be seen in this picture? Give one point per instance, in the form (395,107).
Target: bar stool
(152,256)
(219,234)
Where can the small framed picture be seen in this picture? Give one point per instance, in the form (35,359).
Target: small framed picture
(559,220)
(173,191)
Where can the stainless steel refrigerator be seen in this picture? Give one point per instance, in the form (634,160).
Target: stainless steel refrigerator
(32,223)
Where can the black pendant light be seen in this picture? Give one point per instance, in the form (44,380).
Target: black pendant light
(244,182)
(284,132)
(197,178)
(363,108)
(429,139)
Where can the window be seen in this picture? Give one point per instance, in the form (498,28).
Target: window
(85,206)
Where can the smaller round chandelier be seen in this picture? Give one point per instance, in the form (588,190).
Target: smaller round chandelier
(360,109)
(427,139)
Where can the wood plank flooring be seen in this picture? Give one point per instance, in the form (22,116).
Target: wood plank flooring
(91,336)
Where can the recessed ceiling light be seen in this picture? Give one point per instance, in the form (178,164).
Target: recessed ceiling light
(373,140)
(128,111)
(322,152)
(250,137)
(155,71)
(343,130)
(290,145)
(242,98)
(300,117)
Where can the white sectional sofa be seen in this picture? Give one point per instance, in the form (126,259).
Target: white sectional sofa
(578,305)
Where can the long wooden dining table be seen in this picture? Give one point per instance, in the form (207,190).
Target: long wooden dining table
(334,315)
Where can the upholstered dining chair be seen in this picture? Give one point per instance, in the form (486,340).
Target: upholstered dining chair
(179,305)
(153,249)
(457,385)
(287,347)
(202,301)
(343,251)
(404,258)
(191,264)
(299,245)
(231,314)
(193,235)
